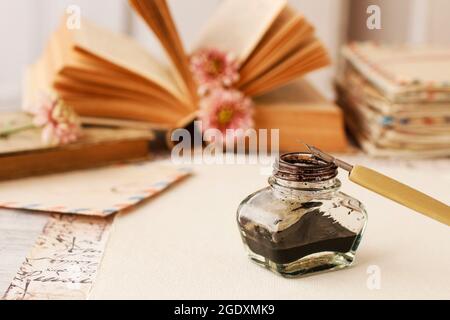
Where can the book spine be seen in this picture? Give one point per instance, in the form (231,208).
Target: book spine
(32,163)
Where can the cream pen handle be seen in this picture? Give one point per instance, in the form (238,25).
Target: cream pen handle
(400,193)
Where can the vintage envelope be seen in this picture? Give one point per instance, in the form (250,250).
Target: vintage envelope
(64,260)
(95,192)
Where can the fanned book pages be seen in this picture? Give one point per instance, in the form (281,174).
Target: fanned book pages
(273,43)
(106,75)
(102,74)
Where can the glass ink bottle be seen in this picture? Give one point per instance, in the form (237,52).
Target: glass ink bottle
(301,223)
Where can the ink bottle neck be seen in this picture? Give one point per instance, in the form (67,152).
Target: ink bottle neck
(301,174)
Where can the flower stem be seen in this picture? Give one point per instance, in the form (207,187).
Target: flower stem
(7,132)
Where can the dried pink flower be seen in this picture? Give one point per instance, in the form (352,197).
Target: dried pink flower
(60,125)
(226,109)
(213,68)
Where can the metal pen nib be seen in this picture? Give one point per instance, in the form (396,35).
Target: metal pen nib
(329,158)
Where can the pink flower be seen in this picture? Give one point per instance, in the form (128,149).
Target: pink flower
(226,109)
(213,68)
(60,125)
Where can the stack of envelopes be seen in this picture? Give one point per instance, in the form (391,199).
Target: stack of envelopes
(396,99)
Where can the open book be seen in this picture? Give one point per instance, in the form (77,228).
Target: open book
(107,75)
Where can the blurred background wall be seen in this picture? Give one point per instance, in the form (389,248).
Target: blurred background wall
(26,24)
(410,21)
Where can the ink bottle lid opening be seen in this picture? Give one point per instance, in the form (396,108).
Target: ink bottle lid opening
(303,167)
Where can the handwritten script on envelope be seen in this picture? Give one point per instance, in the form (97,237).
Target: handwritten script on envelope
(64,261)
(95,192)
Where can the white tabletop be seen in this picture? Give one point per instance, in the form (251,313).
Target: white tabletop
(185,244)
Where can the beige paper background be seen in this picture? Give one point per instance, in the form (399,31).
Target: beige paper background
(186,245)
